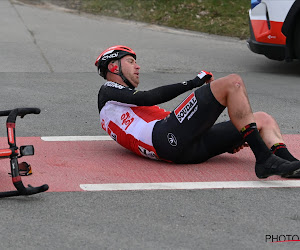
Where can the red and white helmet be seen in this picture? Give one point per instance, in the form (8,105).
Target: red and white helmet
(112,53)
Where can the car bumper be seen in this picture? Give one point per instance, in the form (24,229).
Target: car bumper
(272,51)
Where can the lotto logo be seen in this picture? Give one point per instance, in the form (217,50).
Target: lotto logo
(127,120)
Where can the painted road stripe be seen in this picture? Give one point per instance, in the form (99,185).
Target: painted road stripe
(77,138)
(190,185)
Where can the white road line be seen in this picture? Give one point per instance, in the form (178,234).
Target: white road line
(190,185)
(76,138)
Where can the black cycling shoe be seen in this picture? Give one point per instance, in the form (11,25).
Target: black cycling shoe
(275,165)
(295,174)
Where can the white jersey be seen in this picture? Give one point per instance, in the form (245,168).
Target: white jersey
(128,124)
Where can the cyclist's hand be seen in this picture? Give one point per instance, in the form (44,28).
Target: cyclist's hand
(202,78)
(206,76)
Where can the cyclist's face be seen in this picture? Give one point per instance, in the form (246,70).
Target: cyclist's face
(130,70)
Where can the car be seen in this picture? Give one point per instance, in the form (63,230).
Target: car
(275,29)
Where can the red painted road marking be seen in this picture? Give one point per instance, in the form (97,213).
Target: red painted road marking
(65,165)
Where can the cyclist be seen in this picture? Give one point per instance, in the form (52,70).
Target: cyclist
(188,134)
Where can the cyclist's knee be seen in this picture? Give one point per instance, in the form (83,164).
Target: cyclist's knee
(230,82)
(263,119)
(235,82)
(229,85)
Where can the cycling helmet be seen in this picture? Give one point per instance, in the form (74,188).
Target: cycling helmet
(112,53)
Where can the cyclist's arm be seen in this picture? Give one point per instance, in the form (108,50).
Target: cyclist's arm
(145,98)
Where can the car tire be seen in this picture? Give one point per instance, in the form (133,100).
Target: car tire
(297,38)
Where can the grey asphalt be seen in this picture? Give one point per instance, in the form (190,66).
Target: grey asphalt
(47,60)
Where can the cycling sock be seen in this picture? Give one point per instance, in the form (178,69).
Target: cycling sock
(281,150)
(251,135)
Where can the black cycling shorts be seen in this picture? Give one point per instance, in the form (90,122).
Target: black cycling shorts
(189,134)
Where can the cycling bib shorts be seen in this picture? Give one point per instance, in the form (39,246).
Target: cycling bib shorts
(189,134)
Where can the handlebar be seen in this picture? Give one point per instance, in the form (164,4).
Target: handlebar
(30,189)
(21,111)
(12,116)
(22,190)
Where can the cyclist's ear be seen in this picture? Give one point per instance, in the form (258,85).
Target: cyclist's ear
(112,67)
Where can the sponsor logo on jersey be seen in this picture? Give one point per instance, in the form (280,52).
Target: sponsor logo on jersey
(193,112)
(111,134)
(185,108)
(114,85)
(172,139)
(126,119)
(147,153)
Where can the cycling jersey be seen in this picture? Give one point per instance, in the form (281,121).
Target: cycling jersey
(129,116)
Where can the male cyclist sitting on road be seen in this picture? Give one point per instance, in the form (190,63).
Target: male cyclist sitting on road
(188,134)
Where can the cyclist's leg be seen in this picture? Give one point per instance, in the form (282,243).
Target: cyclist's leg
(230,91)
(220,138)
(224,137)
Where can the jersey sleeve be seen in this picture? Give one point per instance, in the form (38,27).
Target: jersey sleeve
(161,94)
(119,93)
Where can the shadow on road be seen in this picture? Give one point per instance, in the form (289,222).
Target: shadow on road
(278,67)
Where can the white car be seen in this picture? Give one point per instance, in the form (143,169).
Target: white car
(275,28)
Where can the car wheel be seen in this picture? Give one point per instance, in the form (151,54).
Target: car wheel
(297,38)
